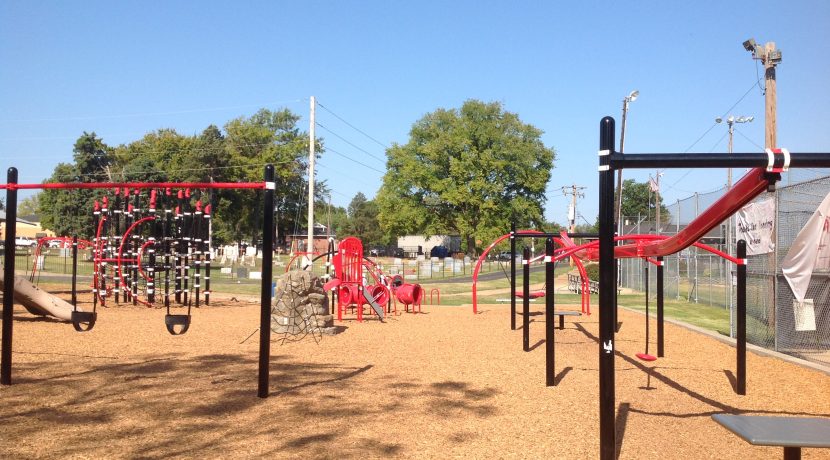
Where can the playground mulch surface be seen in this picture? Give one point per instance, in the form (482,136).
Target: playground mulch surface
(441,384)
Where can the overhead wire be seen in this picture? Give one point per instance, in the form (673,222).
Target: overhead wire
(148,114)
(726,113)
(351,125)
(350,143)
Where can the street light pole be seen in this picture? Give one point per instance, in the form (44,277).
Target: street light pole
(730,122)
(618,212)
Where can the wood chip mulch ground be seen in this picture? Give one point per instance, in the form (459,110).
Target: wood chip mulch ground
(443,384)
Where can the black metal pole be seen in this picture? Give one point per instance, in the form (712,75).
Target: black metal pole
(607,293)
(526,299)
(75,271)
(660,349)
(715,160)
(8,278)
(550,349)
(265,289)
(647,318)
(512,274)
(740,346)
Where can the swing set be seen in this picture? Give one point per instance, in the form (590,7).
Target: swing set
(168,235)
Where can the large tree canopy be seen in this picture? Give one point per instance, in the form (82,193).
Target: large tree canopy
(638,200)
(466,171)
(238,154)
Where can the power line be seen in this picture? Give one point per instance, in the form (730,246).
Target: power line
(750,140)
(723,116)
(329,149)
(352,126)
(708,131)
(348,142)
(147,114)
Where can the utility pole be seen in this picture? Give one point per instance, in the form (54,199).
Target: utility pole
(576,192)
(309,247)
(770,56)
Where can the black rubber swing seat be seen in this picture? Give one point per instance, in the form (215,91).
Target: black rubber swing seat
(174,321)
(83,318)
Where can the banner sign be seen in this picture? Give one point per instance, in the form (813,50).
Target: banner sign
(755,223)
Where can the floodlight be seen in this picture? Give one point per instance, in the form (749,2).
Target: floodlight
(633,95)
(749,45)
(718,120)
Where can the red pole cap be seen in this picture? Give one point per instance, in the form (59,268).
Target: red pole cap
(198,205)
(180,194)
(207,209)
(153,198)
(96,206)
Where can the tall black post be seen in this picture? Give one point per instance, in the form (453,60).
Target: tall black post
(648,320)
(607,292)
(8,278)
(265,289)
(660,307)
(525,298)
(740,347)
(512,274)
(75,272)
(550,349)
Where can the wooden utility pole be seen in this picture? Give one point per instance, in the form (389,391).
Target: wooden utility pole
(575,191)
(770,59)
(770,56)
(309,247)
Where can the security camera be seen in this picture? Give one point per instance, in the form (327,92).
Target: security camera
(749,45)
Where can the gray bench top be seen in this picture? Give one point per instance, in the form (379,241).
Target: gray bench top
(762,430)
(568,313)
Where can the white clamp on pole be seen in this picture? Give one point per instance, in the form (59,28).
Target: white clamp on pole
(771,155)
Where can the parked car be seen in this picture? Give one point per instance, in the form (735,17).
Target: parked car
(505,255)
(25,242)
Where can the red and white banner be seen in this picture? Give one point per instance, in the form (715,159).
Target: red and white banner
(754,224)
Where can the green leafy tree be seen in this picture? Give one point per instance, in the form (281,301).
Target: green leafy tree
(363,222)
(637,199)
(30,206)
(266,137)
(69,212)
(466,171)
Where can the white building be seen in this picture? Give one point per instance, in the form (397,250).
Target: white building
(412,243)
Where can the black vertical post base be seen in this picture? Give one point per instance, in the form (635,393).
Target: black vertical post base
(525,299)
(740,346)
(550,350)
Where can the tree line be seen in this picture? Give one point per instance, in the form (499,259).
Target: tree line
(466,171)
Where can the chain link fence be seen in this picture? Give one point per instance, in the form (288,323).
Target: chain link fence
(699,277)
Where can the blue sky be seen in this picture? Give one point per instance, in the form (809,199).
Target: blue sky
(122,69)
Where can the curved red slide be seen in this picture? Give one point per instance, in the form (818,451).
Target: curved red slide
(745,190)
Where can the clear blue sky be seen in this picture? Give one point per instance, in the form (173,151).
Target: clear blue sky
(122,69)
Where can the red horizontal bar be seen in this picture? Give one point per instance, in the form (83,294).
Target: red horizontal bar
(134,185)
